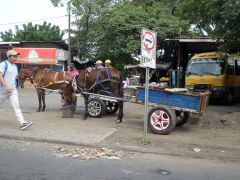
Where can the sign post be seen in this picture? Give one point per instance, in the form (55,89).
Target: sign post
(148,60)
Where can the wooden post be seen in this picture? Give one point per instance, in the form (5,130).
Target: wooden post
(178,64)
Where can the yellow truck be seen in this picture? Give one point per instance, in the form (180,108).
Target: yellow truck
(215,72)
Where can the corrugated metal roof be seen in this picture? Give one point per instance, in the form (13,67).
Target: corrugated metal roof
(189,40)
(8,43)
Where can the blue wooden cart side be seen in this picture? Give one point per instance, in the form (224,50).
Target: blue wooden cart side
(193,102)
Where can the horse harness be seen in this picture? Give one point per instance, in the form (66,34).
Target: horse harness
(41,86)
(97,82)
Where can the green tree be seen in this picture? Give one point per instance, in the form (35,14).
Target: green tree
(118,30)
(30,32)
(219,18)
(7,35)
(111,29)
(85,12)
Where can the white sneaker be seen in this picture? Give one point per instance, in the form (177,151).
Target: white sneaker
(25,125)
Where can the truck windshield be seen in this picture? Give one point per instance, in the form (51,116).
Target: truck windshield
(206,66)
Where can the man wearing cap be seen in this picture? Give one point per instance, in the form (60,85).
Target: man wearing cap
(8,74)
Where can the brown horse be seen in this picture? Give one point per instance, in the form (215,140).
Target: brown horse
(46,79)
(107,81)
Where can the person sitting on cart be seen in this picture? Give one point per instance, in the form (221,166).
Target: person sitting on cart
(108,63)
(73,71)
(98,64)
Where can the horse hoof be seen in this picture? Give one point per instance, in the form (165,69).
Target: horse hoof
(118,121)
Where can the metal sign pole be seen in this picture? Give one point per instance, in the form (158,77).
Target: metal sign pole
(146,105)
(69,36)
(148,60)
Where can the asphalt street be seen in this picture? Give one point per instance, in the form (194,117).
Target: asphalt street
(22,160)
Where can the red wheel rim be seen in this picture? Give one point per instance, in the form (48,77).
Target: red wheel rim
(160,120)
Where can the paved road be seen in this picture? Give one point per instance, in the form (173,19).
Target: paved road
(20,160)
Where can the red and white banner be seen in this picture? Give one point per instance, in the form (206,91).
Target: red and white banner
(46,56)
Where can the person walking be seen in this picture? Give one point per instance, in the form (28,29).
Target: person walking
(8,90)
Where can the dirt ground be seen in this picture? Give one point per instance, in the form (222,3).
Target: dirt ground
(213,135)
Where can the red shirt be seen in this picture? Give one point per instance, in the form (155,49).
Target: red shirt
(74,72)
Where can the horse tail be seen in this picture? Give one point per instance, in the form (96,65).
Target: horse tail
(67,93)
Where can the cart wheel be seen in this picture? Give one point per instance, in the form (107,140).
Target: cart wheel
(111,106)
(182,117)
(161,120)
(96,107)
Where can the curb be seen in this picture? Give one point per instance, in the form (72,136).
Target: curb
(12,137)
(135,149)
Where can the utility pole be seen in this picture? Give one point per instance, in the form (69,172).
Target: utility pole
(69,36)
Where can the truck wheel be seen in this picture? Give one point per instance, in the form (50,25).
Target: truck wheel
(182,117)
(96,107)
(112,107)
(161,120)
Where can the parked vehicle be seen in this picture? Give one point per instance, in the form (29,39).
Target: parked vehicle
(215,72)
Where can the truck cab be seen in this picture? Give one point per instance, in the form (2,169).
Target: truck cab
(214,72)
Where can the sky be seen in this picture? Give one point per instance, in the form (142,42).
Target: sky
(18,12)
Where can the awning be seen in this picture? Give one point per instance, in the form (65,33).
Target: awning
(196,45)
(164,66)
(132,66)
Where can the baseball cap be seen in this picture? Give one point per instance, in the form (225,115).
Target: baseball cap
(12,53)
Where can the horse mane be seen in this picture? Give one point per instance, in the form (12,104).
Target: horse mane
(34,71)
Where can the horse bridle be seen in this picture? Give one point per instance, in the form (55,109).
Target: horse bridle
(26,75)
(77,88)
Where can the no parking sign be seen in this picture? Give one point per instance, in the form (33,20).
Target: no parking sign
(148,48)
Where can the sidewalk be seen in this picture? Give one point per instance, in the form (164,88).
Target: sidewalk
(51,127)
(190,140)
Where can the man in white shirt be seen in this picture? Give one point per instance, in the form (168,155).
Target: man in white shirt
(8,74)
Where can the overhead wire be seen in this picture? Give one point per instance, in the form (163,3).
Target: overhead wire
(5,24)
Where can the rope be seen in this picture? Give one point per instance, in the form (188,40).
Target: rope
(55,77)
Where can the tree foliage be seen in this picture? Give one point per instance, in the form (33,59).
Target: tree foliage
(84,13)
(118,30)
(111,29)
(219,18)
(30,32)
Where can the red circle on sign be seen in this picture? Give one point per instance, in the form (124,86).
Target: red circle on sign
(148,41)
